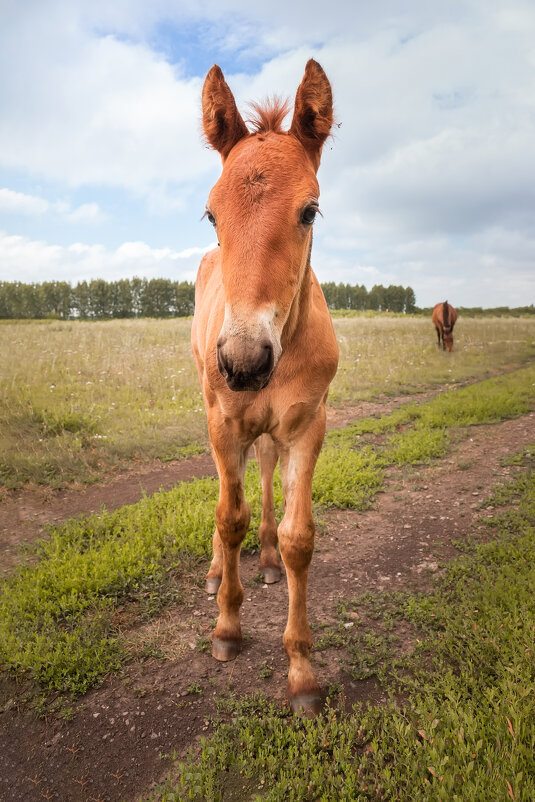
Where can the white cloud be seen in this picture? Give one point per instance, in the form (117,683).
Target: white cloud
(93,110)
(13,202)
(20,203)
(86,213)
(77,262)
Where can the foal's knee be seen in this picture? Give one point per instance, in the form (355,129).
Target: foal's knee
(232,522)
(296,543)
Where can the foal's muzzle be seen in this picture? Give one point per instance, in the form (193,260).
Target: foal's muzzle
(245,368)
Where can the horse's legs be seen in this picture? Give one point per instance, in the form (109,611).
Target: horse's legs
(438,335)
(215,572)
(232,518)
(267,456)
(296,541)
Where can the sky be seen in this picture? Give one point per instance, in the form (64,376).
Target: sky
(428,180)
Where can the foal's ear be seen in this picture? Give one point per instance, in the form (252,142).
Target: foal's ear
(313,112)
(221,120)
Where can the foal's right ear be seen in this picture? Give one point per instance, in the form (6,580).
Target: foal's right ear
(221,120)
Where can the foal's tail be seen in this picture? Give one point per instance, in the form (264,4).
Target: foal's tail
(445,314)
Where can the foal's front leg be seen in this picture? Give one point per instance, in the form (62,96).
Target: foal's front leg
(232,518)
(296,541)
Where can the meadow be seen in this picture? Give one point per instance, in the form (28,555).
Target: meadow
(458,723)
(82,399)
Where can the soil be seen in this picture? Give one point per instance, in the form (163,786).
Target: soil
(117,742)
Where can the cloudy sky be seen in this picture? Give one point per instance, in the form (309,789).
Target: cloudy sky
(429,180)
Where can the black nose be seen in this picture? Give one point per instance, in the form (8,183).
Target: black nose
(248,369)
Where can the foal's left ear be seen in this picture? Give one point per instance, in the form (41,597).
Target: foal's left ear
(222,123)
(313,112)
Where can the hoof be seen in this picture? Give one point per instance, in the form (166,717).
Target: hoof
(272,575)
(212,585)
(307,704)
(225,650)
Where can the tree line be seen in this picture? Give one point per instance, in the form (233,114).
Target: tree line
(160,297)
(97,299)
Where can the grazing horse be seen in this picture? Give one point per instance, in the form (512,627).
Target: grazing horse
(444,318)
(265,348)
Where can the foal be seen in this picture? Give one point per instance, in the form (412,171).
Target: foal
(265,348)
(444,317)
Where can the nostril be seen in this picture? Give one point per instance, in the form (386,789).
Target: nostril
(223,363)
(266,359)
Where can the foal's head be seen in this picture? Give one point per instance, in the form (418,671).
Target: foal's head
(263,207)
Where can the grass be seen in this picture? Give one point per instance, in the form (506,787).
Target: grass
(461,729)
(58,616)
(399,355)
(79,399)
(351,465)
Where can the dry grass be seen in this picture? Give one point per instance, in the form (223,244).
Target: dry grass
(397,354)
(80,398)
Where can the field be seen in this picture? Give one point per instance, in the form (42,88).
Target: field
(82,399)
(421,592)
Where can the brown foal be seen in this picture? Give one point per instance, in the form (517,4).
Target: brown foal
(265,348)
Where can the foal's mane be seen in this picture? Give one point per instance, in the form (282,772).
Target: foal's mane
(269,115)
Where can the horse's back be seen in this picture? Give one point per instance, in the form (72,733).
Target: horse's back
(436,316)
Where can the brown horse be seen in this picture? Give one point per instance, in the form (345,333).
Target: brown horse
(265,348)
(444,317)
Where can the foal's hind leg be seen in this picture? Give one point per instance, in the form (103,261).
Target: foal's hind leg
(215,572)
(267,456)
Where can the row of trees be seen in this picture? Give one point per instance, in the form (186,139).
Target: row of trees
(379,298)
(161,297)
(97,299)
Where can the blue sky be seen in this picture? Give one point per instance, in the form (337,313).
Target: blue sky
(428,181)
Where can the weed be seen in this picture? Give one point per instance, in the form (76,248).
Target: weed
(203,644)
(265,670)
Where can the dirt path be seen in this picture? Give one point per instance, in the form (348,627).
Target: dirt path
(112,747)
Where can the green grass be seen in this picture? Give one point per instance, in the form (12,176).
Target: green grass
(462,728)
(57,615)
(79,398)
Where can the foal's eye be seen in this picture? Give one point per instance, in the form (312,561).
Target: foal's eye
(308,215)
(210,217)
